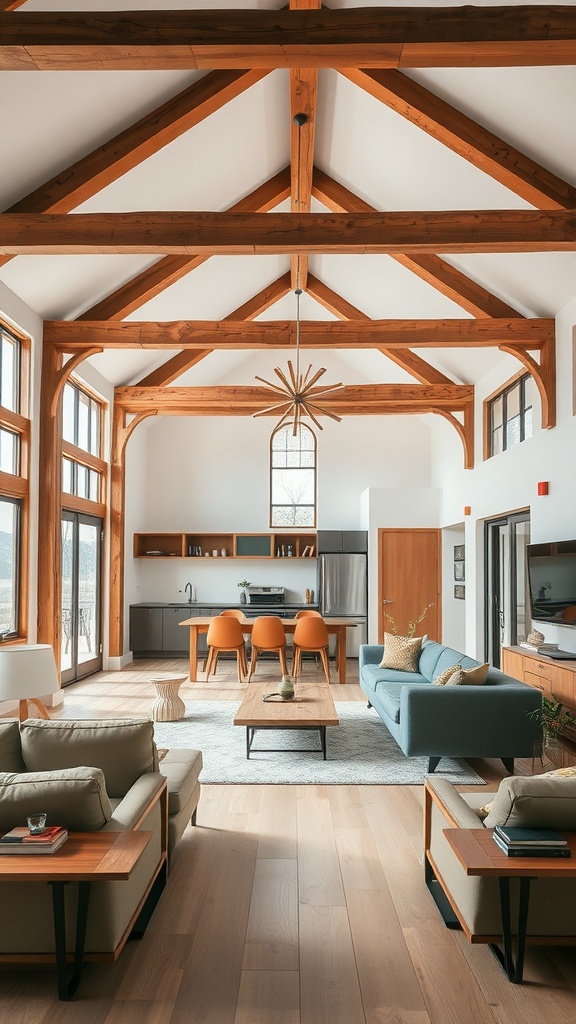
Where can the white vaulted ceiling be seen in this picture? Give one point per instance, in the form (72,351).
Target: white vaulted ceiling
(50,119)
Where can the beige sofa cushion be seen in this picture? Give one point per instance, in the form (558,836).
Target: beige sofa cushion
(401,652)
(475,676)
(537,801)
(73,797)
(123,748)
(10,750)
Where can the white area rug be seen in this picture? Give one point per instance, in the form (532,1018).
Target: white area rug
(361,751)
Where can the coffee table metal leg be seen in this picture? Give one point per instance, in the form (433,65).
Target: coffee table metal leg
(514,971)
(322,731)
(67,988)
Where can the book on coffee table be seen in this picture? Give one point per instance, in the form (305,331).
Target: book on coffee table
(20,841)
(529,836)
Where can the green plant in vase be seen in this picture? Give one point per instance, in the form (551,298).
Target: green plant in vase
(243,584)
(554,718)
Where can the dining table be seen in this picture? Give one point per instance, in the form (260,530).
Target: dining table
(336,626)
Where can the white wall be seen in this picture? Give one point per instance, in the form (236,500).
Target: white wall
(507,482)
(212,474)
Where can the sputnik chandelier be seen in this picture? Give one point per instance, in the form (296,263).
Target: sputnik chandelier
(296,395)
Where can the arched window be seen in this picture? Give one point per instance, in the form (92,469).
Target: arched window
(293,477)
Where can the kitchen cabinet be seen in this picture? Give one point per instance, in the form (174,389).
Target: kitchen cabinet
(175,638)
(145,629)
(342,540)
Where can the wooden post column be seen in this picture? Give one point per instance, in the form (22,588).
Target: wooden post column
(49,502)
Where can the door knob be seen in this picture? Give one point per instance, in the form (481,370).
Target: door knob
(387,602)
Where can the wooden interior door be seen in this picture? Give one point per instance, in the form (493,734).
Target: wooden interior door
(409,578)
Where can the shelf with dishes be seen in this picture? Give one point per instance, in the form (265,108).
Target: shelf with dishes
(225,545)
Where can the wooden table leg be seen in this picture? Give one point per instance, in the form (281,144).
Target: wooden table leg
(341,644)
(193,653)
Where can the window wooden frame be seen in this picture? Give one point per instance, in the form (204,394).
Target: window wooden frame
(16,487)
(501,392)
(82,457)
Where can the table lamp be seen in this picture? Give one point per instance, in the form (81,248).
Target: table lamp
(28,672)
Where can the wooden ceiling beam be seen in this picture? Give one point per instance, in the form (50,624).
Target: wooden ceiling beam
(281,334)
(361,37)
(355,399)
(303,91)
(528,179)
(430,268)
(151,282)
(407,360)
(141,140)
(221,234)
(178,364)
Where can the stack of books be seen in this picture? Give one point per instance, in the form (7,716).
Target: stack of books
(530,842)
(19,840)
(539,648)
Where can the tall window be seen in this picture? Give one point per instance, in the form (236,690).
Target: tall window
(14,442)
(509,415)
(82,467)
(293,477)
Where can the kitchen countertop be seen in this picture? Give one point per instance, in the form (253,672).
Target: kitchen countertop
(197,605)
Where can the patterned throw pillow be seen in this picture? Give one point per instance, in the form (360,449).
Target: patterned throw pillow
(566,773)
(469,676)
(444,676)
(401,652)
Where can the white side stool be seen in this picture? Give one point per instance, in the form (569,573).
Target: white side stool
(168,705)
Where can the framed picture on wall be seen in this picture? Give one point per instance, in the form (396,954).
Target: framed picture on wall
(459,552)
(459,592)
(459,570)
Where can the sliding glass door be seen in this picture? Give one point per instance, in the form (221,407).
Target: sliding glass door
(81,650)
(507,617)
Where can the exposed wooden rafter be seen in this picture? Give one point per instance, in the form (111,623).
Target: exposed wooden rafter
(409,361)
(167,271)
(528,179)
(430,268)
(173,368)
(361,37)
(184,233)
(281,334)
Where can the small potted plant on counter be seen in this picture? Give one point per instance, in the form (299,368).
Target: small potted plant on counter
(243,584)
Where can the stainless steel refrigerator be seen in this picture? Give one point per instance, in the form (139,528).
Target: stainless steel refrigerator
(343,591)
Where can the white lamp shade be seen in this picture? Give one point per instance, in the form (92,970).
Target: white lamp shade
(27,671)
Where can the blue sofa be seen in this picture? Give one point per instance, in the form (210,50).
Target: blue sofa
(491,720)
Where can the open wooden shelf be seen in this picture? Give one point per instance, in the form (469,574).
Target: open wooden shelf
(236,545)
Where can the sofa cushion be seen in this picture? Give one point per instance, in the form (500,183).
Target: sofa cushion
(536,801)
(475,676)
(10,748)
(123,748)
(373,676)
(73,797)
(445,677)
(401,652)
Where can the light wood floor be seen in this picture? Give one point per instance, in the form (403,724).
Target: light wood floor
(292,905)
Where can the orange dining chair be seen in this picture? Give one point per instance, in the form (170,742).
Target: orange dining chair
(235,612)
(569,614)
(306,611)
(225,634)
(310,634)
(268,635)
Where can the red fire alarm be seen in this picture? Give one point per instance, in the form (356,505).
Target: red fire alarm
(542,487)
(467,510)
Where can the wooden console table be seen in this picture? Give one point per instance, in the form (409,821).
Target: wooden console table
(85,857)
(199,624)
(480,855)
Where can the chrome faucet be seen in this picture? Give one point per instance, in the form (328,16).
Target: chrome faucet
(186,591)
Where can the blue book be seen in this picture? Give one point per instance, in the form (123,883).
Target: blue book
(530,836)
(531,851)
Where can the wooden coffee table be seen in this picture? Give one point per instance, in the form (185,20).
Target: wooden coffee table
(311,708)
